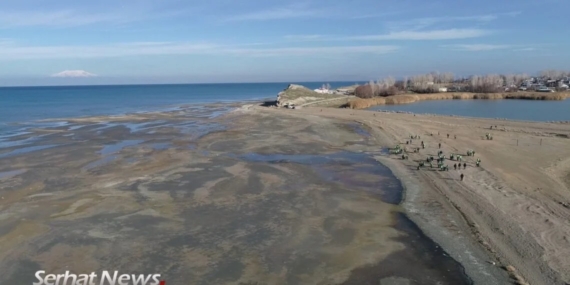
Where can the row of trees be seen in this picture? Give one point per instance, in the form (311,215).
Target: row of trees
(429,83)
(486,84)
(554,74)
(425,83)
(382,87)
(433,82)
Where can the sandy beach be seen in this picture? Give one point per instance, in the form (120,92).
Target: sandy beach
(515,206)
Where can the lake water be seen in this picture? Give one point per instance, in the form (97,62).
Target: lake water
(526,110)
(27,104)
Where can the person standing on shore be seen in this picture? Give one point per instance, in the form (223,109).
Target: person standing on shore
(464,165)
(447,135)
(439,145)
(455,166)
(461,176)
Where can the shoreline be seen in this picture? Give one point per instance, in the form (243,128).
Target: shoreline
(466,253)
(20,127)
(473,260)
(17,125)
(490,254)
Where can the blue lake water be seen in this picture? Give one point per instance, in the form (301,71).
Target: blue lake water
(27,104)
(526,110)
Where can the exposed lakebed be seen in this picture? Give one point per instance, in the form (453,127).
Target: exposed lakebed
(205,199)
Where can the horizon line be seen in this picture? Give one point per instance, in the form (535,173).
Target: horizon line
(161,84)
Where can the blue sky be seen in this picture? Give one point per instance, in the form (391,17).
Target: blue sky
(167,41)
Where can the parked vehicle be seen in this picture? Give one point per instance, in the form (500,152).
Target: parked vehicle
(522,88)
(544,89)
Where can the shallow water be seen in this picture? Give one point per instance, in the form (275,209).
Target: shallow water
(25,150)
(27,104)
(135,127)
(113,148)
(422,261)
(526,110)
(420,250)
(345,168)
(100,162)
(12,143)
(10,173)
(359,129)
(161,146)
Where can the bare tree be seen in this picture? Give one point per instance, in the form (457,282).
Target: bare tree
(486,84)
(424,83)
(364,91)
(445,78)
(373,87)
(520,78)
(509,80)
(553,74)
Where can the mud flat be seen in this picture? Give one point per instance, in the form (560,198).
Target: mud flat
(250,197)
(509,216)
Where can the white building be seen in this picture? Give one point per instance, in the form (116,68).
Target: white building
(323,91)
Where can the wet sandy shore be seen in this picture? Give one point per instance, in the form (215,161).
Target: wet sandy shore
(245,198)
(509,214)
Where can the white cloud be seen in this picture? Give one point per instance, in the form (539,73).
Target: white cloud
(525,49)
(75,17)
(280,13)
(488,47)
(275,14)
(13,52)
(304,37)
(55,18)
(96,51)
(449,34)
(334,50)
(74,74)
(476,47)
(421,23)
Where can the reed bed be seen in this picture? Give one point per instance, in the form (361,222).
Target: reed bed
(360,103)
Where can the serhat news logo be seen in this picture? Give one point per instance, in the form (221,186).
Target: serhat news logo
(105,278)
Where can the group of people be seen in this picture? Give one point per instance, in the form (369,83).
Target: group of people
(454,157)
(456,165)
(440,156)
